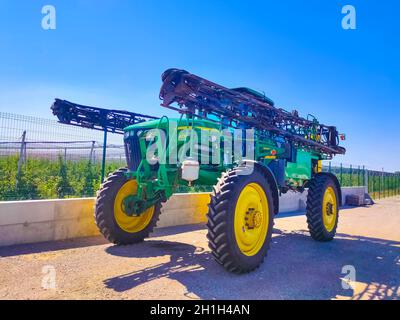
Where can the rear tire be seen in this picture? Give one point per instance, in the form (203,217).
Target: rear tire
(233,198)
(107,221)
(322,208)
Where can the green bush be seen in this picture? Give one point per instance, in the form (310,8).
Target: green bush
(49,178)
(56,178)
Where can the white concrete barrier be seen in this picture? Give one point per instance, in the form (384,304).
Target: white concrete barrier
(48,220)
(45,220)
(294,201)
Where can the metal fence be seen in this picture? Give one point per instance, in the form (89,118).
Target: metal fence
(379,184)
(43,159)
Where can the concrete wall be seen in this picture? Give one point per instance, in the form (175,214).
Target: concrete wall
(48,220)
(45,220)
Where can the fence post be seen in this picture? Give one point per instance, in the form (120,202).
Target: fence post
(394,184)
(386,184)
(22,156)
(103,162)
(379,184)
(398,183)
(372,178)
(341,173)
(391,184)
(364,177)
(378,176)
(24,152)
(351,175)
(91,158)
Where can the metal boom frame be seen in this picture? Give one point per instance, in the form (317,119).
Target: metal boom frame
(106,120)
(243,108)
(96,118)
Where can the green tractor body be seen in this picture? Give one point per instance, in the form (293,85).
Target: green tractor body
(160,180)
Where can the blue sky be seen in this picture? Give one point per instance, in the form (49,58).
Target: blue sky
(111,54)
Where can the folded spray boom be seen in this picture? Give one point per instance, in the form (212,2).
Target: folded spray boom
(96,118)
(245,108)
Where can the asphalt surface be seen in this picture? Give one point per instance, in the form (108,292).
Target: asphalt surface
(176,264)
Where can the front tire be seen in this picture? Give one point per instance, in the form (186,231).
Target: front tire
(113,223)
(240,219)
(322,208)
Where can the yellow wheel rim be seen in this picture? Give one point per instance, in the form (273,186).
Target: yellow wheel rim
(251,219)
(329,209)
(125,222)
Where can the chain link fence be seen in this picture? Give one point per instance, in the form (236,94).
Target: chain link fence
(43,159)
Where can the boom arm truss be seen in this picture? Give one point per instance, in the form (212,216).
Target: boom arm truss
(96,118)
(243,108)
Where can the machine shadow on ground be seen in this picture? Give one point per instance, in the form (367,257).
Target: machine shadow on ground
(51,246)
(297,267)
(84,242)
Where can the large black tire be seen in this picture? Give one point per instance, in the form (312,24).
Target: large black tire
(317,188)
(221,214)
(104,212)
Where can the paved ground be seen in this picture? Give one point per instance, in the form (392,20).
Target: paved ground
(176,264)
